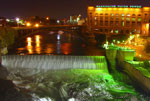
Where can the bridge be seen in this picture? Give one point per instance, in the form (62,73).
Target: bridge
(54,62)
(23,31)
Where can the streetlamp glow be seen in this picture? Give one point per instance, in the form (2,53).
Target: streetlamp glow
(17,19)
(47,18)
(28,24)
(36,25)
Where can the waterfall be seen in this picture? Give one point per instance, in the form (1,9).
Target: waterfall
(54,62)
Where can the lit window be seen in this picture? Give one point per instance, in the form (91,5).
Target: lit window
(122,23)
(128,14)
(139,19)
(133,19)
(122,14)
(112,14)
(128,19)
(111,31)
(122,18)
(95,17)
(116,31)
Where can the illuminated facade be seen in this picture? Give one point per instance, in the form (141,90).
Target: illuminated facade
(117,19)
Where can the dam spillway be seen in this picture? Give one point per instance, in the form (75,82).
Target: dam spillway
(54,62)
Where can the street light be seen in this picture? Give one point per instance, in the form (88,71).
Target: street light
(36,25)
(17,20)
(47,18)
(28,24)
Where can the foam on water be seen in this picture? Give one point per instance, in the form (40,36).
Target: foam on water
(54,62)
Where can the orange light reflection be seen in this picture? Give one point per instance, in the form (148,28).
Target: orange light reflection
(38,47)
(29,45)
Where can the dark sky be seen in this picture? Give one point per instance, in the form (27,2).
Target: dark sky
(56,8)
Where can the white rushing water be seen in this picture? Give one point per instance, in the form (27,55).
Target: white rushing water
(54,62)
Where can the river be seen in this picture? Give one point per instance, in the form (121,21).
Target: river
(68,84)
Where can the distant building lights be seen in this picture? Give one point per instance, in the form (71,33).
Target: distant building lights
(147,26)
(17,19)
(36,25)
(47,18)
(58,21)
(28,24)
(8,20)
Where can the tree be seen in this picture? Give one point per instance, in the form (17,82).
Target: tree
(7,36)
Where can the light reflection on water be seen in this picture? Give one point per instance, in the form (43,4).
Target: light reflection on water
(70,43)
(47,44)
(29,45)
(38,47)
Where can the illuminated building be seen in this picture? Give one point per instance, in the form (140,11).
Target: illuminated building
(115,19)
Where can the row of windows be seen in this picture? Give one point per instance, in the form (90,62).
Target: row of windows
(117,18)
(117,23)
(119,31)
(112,14)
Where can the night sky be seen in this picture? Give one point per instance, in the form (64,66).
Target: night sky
(56,8)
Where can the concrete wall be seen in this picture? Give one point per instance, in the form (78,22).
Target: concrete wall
(121,58)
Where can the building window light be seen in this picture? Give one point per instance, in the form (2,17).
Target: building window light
(133,19)
(111,31)
(122,23)
(122,18)
(122,14)
(128,19)
(112,14)
(139,19)
(128,14)
(116,31)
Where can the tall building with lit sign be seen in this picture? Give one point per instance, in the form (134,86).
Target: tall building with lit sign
(115,19)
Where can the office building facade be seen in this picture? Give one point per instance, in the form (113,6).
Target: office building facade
(118,19)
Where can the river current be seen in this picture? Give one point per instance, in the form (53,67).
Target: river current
(68,84)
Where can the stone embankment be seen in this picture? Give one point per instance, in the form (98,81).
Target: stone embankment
(123,60)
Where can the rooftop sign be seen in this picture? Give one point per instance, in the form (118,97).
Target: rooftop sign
(119,6)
